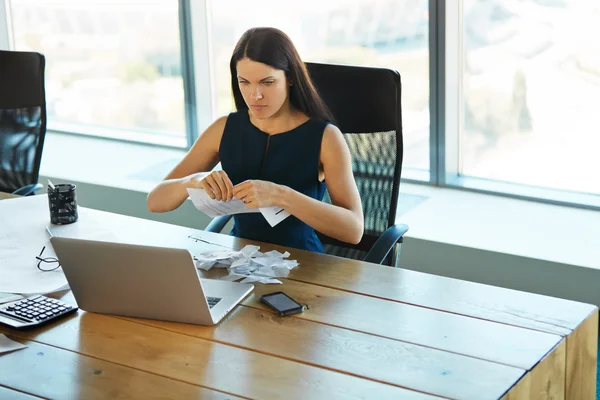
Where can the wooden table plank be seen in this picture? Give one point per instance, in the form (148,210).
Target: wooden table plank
(380,359)
(546,380)
(543,313)
(547,314)
(50,372)
(528,310)
(10,394)
(201,362)
(168,353)
(582,352)
(518,347)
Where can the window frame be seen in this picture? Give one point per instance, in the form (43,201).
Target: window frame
(197,104)
(445,101)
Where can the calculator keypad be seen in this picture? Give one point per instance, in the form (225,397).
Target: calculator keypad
(36,309)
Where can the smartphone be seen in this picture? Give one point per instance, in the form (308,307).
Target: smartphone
(282,303)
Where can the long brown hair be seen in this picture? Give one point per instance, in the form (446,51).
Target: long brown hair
(273,47)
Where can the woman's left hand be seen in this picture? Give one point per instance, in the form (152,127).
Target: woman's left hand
(256,193)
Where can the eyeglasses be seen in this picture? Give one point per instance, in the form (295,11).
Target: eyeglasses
(46,260)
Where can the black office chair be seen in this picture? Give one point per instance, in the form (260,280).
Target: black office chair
(366,105)
(22,121)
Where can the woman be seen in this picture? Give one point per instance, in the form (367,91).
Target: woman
(278,149)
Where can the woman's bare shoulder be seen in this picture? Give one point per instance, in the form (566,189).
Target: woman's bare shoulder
(332,134)
(214,132)
(220,122)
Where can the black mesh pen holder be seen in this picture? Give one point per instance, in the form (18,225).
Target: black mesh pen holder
(62,200)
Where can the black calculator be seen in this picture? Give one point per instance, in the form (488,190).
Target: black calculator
(33,311)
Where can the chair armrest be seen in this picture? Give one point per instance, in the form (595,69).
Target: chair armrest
(28,189)
(385,243)
(218,223)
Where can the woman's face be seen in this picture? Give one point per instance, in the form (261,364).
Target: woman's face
(264,88)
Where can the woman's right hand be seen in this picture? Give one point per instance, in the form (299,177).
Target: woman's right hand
(216,183)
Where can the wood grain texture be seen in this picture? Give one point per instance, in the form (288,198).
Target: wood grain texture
(582,353)
(548,377)
(546,381)
(9,394)
(4,195)
(543,313)
(547,314)
(521,390)
(418,332)
(50,372)
(201,362)
(501,343)
(380,359)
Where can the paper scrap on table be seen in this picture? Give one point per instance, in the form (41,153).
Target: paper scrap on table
(248,263)
(214,208)
(8,297)
(7,345)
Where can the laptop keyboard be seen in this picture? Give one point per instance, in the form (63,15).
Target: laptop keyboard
(212,301)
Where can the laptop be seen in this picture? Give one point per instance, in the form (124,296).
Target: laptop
(144,281)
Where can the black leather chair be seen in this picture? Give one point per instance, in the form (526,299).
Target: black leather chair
(366,105)
(22,121)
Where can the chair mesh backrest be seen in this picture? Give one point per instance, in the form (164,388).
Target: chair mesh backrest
(22,118)
(365,103)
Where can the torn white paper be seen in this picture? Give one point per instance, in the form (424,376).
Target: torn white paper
(214,208)
(248,263)
(274,215)
(7,345)
(232,277)
(263,280)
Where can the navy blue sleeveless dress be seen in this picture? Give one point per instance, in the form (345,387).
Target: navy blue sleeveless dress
(291,159)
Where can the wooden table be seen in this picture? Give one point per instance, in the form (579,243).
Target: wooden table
(371,332)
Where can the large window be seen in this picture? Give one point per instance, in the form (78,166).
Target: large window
(112,67)
(531,84)
(513,90)
(382,33)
